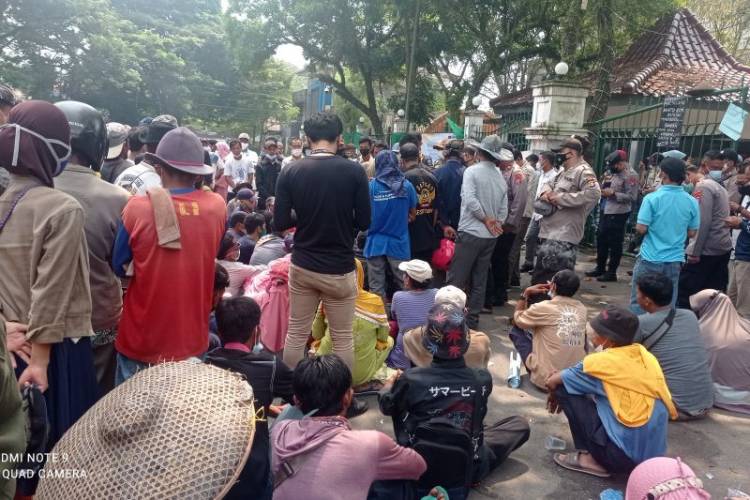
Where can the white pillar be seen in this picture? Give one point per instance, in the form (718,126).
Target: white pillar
(558,113)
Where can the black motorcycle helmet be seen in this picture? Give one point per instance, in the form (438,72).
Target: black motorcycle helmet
(88,134)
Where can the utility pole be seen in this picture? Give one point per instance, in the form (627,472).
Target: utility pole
(412,69)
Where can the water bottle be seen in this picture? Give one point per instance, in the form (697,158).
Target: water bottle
(514,370)
(554,443)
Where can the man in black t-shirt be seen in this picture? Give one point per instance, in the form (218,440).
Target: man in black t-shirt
(330,196)
(422,235)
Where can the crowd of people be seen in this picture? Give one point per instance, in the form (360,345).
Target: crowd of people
(323,277)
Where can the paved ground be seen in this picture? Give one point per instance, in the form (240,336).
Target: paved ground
(717,448)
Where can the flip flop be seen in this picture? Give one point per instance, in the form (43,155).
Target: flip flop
(571,461)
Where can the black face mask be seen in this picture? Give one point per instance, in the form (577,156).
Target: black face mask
(364,152)
(613,169)
(560,159)
(744,190)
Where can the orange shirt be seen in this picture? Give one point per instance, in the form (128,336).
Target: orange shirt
(168,301)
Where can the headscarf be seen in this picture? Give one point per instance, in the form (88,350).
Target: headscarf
(368,305)
(222,148)
(726,336)
(447,336)
(389,174)
(665,479)
(34,155)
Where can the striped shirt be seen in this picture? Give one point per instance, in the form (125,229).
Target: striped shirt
(409,309)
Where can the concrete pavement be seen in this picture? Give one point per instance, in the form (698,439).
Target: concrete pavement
(717,448)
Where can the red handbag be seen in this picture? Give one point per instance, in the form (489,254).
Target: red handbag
(443,255)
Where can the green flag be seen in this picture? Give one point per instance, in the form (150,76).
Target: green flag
(455,129)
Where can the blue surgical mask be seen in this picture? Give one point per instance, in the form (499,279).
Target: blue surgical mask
(258,348)
(715,175)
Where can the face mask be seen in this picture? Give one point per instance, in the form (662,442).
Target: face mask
(613,169)
(297,152)
(257,348)
(744,190)
(364,152)
(61,161)
(715,175)
(244,146)
(560,158)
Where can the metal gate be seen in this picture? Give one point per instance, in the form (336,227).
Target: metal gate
(636,131)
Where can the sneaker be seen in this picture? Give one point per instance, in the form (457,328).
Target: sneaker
(526,268)
(594,273)
(607,278)
(357,408)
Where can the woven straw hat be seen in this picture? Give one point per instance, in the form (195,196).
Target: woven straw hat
(176,430)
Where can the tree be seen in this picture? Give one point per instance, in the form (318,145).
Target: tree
(727,20)
(335,35)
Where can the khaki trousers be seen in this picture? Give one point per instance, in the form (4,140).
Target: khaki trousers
(307,290)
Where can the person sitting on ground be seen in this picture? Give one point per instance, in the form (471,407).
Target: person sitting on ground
(324,441)
(550,335)
(237,320)
(666,479)
(372,341)
(422,399)
(726,335)
(673,336)
(410,306)
(255,226)
(270,247)
(221,282)
(616,401)
(245,201)
(239,273)
(477,354)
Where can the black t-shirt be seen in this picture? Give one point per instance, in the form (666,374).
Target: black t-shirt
(331,198)
(422,233)
(269,377)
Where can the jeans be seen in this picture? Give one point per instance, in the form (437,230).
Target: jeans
(532,240)
(469,269)
(376,274)
(609,241)
(307,289)
(669,269)
(523,341)
(589,434)
(127,367)
(711,272)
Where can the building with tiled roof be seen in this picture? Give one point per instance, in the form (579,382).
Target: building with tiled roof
(677,55)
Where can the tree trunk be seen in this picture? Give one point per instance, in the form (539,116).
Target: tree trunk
(600,100)
(571,34)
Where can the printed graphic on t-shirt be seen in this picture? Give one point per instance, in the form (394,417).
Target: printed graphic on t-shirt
(570,328)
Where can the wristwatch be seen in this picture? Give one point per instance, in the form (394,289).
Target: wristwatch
(522,297)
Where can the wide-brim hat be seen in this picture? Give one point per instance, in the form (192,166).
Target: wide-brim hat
(175,430)
(182,150)
(493,146)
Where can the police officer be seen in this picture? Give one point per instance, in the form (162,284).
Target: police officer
(618,197)
(102,205)
(570,197)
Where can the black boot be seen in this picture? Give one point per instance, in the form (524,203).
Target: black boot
(594,273)
(607,277)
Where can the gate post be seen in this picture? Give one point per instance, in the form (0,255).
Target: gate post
(558,113)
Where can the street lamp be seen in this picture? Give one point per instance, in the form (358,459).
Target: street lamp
(561,68)
(400,113)
(476,101)
(362,120)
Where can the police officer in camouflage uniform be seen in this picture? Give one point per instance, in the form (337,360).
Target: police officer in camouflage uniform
(572,195)
(619,197)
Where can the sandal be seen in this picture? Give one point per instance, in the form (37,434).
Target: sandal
(571,461)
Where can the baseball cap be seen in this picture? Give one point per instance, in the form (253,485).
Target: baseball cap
(409,151)
(181,149)
(451,295)
(417,270)
(243,135)
(731,155)
(616,323)
(245,194)
(571,143)
(117,134)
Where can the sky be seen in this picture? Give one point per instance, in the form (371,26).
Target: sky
(291,54)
